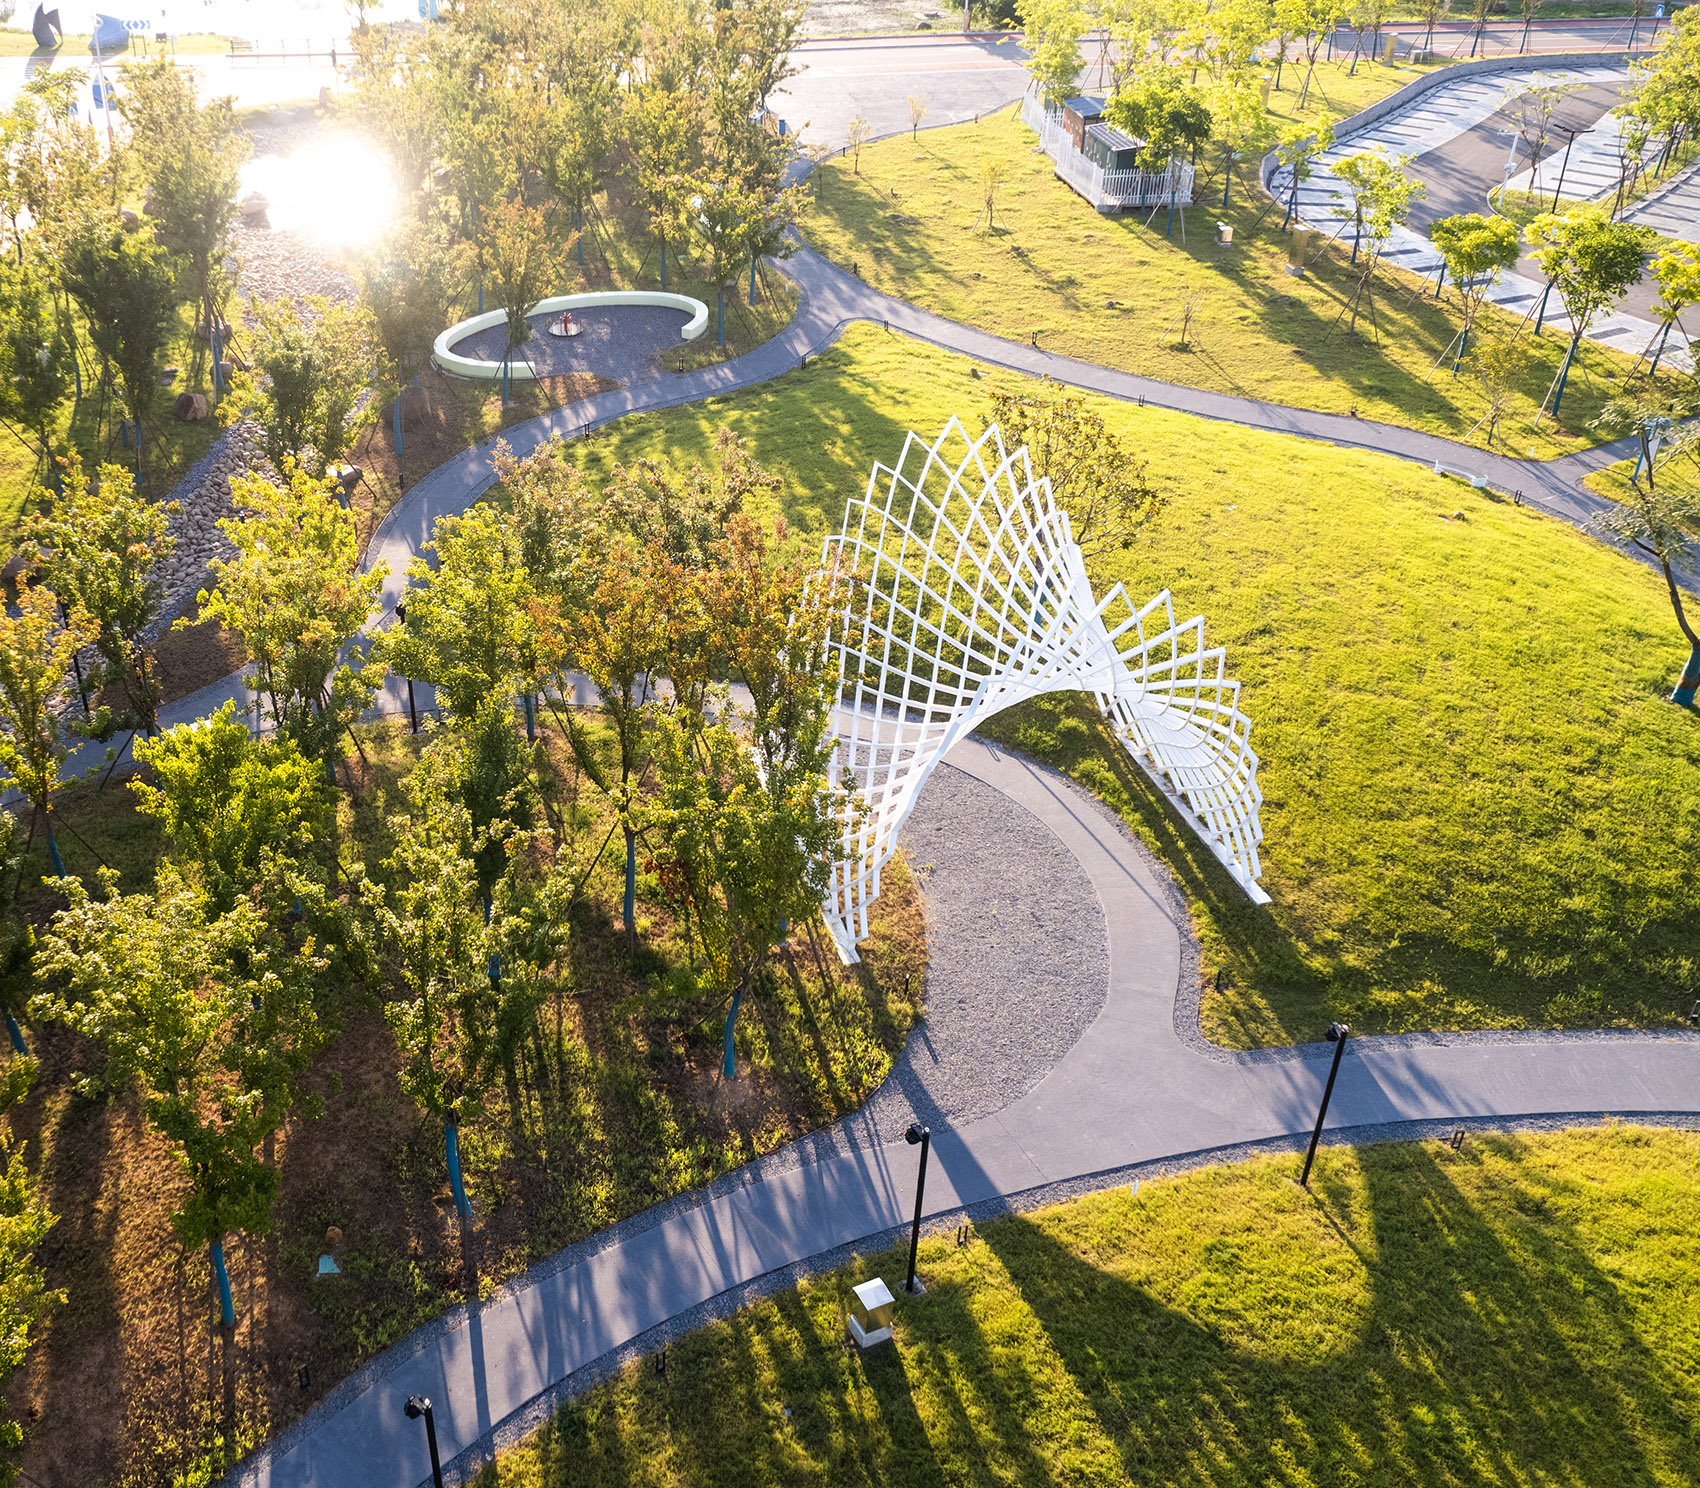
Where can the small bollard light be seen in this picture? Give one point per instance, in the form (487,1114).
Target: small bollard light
(1337,1035)
(1694,1015)
(922,1135)
(1457,1142)
(871,1306)
(417,1406)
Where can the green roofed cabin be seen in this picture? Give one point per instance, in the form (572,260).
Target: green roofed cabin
(1109,149)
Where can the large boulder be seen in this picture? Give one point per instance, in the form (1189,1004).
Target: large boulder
(253,208)
(188,407)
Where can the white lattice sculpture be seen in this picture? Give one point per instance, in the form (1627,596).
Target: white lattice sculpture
(974,596)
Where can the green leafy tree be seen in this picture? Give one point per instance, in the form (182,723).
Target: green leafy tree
(126,287)
(227,799)
(1315,21)
(296,596)
(189,156)
(1476,251)
(1667,98)
(101,546)
(210,1015)
(1298,150)
(410,294)
(1382,193)
(1677,273)
(1160,109)
(1053,30)
(35,357)
(310,371)
(664,135)
(1240,123)
(523,257)
(35,653)
(468,631)
(25,1297)
(1094,476)
(1591,261)
(1433,12)
(1660,517)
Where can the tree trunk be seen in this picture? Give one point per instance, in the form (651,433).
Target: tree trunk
(1689,681)
(728,1062)
(631,889)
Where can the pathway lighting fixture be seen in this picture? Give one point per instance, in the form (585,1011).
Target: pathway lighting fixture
(924,1136)
(1694,1015)
(1337,1035)
(417,1406)
(871,1306)
(412,712)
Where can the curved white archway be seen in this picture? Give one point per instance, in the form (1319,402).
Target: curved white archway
(973,596)
(521,371)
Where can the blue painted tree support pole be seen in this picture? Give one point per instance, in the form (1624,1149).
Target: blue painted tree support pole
(580,215)
(1661,349)
(664,263)
(16,1034)
(631,881)
(217,358)
(752,282)
(53,853)
(728,1065)
(493,963)
(1440,279)
(398,422)
(226,1303)
(720,315)
(1227,174)
(1689,681)
(480,294)
(1292,201)
(530,719)
(451,1151)
(1541,313)
(1463,343)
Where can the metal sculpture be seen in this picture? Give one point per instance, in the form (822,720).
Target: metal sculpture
(972,596)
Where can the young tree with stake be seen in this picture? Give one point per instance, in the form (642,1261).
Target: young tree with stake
(1475,250)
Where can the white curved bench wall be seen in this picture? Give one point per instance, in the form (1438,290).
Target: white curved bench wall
(520,371)
(973,596)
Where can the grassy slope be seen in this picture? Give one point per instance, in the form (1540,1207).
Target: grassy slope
(619,1108)
(1479,812)
(1111,290)
(1518,1313)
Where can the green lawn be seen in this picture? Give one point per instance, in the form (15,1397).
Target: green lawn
(1113,290)
(1522,1312)
(1479,812)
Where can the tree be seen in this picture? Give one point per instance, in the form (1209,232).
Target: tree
(1053,30)
(1528,9)
(1158,108)
(917,112)
(1315,21)
(1480,10)
(1677,273)
(1298,150)
(746,831)
(211,1015)
(1365,16)
(35,653)
(312,370)
(1475,249)
(127,289)
(1668,96)
(34,353)
(1660,518)
(728,218)
(1591,261)
(523,256)
(856,135)
(227,800)
(467,631)
(25,1297)
(190,158)
(409,295)
(1531,110)
(1094,477)
(1433,13)
(664,134)
(101,547)
(1497,363)
(296,596)
(1240,122)
(1382,194)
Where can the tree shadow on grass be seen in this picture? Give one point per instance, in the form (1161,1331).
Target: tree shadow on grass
(1422,1389)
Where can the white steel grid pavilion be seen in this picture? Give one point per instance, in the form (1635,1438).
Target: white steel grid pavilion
(971,595)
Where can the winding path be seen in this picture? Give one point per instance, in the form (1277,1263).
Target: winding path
(1119,1081)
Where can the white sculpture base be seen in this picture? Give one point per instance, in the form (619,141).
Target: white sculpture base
(868,1339)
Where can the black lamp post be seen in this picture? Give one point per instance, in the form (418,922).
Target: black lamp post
(921,1134)
(1337,1033)
(412,712)
(417,1406)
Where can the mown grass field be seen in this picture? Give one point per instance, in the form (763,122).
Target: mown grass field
(1114,290)
(1479,811)
(1518,1313)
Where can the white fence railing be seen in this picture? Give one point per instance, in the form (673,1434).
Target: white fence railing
(1106,189)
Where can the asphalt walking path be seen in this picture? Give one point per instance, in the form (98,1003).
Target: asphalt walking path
(1140,1086)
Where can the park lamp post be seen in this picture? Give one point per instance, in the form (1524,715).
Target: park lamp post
(417,1406)
(922,1135)
(1337,1034)
(412,712)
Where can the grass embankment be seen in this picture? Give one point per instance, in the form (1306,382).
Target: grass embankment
(74,49)
(1521,1312)
(619,1107)
(1114,290)
(1479,812)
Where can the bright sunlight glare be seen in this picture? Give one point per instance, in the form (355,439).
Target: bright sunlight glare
(339,191)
